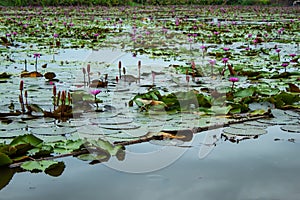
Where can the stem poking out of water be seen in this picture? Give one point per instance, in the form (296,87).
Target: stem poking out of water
(139,69)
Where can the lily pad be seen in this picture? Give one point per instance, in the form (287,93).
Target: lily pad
(38,165)
(53,131)
(246,126)
(113,121)
(244,132)
(121,127)
(291,128)
(278,121)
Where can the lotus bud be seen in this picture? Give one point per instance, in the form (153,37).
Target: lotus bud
(120,65)
(88,68)
(124,70)
(63,95)
(117,79)
(58,98)
(139,64)
(83,71)
(54,90)
(69,98)
(187,78)
(21,85)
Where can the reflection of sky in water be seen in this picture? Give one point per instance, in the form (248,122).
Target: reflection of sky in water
(254,169)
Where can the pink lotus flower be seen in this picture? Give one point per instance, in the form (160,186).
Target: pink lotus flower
(225,60)
(203,47)
(233,79)
(226,48)
(36,55)
(55,35)
(95,92)
(212,62)
(292,55)
(285,64)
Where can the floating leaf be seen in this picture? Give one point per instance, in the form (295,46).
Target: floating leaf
(38,165)
(244,92)
(244,132)
(291,128)
(27,139)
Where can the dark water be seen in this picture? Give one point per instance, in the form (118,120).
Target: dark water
(257,169)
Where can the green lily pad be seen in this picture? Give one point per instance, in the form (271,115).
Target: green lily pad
(38,165)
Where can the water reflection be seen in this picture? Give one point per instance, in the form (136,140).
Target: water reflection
(253,169)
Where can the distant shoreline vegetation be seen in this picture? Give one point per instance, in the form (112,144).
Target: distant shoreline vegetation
(140,2)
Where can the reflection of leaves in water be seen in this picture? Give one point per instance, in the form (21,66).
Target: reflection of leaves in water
(6,175)
(101,151)
(50,167)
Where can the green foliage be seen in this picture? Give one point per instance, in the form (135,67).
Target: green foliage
(178,101)
(130,2)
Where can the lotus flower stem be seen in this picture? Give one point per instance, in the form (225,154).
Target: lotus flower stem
(84,72)
(187,78)
(69,99)
(21,100)
(63,103)
(153,77)
(58,98)
(22,103)
(54,96)
(139,69)
(25,65)
(88,73)
(120,66)
(26,95)
(124,72)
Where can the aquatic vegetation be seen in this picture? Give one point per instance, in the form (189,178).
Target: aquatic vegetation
(217,63)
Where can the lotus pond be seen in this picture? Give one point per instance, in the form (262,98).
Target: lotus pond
(149,103)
